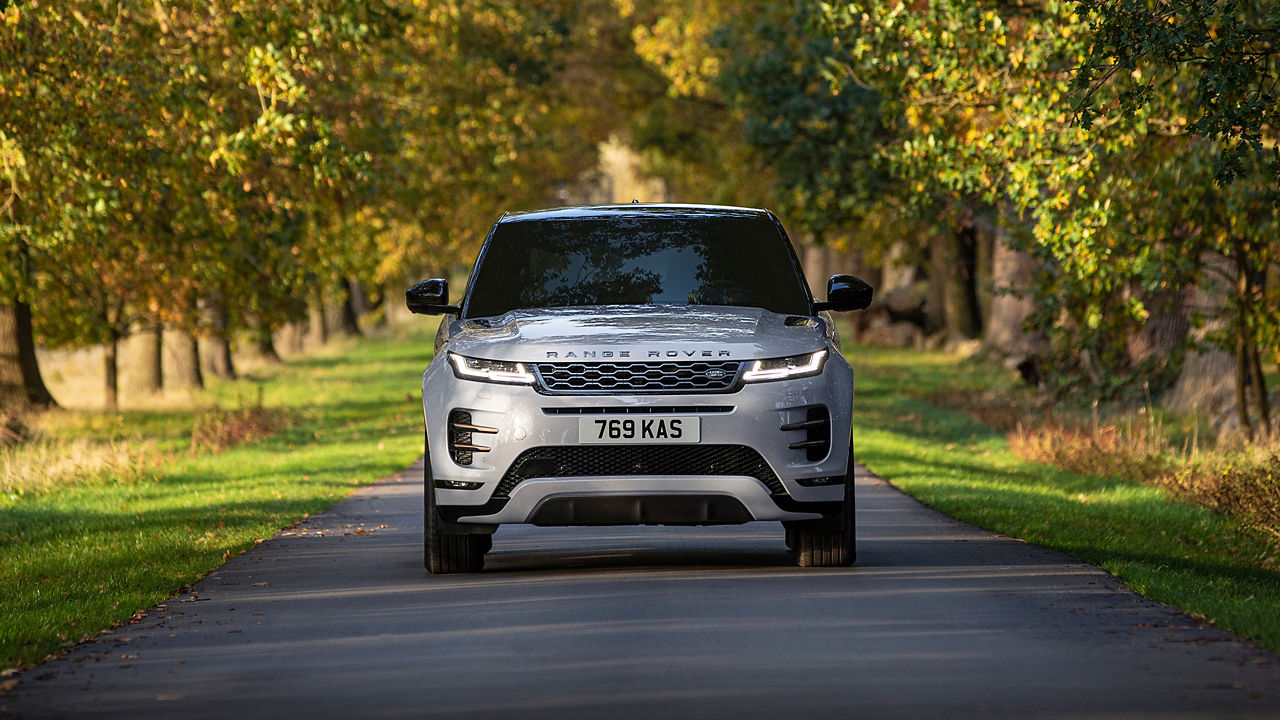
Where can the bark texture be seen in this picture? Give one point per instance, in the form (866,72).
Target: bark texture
(218,344)
(111,372)
(817,267)
(292,337)
(318,327)
(186,360)
(347,322)
(1166,329)
(953,268)
(264,343)
(148,347)
(21,385)
(1205,383)
(1011,277)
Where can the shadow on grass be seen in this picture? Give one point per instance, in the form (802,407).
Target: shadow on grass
(1110,527)
(1034,478)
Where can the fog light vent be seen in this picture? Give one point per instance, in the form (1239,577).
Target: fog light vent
(462,447)
(817,433)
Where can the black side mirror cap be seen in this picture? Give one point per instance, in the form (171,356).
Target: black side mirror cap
(430,297)
(845,293)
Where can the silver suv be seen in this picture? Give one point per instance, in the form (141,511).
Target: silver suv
(637,365)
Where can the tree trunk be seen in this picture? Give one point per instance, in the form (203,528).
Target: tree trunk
(1012,273)
(264,343)
(219,345)
(186,364)
(13,385)
(816,261)
(21,385)
(1205,382)
(292,337)
(347,323)
(954,261)
(220,361)
(1243,365)
(393,304)
(111,368)
(1257,287)
(149,345)
(319,326)
(1166,328)
(1260,386)
(266,348)
(373,303)
(986,237)
(935,305)
(898,271)
(1242,395)
(855,263)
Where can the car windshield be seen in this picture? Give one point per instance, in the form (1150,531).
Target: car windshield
(676,259)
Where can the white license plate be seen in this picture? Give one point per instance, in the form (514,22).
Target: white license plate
(639,430)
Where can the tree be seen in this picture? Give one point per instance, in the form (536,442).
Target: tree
(1208,71)
(1225,53)
(21,385)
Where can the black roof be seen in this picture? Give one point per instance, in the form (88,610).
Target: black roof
(635,210)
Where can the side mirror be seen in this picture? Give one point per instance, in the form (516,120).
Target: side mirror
(844,293)
(430,297)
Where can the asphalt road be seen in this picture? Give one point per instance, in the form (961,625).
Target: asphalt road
(336,618)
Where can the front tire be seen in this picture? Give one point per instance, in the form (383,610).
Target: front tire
(828,542)
(443,552)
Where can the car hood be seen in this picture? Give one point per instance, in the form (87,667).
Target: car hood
(631,332)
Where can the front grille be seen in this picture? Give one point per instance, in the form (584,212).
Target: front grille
(631,460)
(640,410)
(606,377)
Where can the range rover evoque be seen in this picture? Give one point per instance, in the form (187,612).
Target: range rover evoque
(637,364)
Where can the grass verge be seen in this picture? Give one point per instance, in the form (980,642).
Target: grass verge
(1204,562)
(81,556)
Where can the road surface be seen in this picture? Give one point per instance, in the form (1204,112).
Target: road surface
(336,618)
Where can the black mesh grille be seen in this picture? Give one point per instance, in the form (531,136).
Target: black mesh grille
(459,436)
(817,436)
(639,410)
(638,376)
(580,461)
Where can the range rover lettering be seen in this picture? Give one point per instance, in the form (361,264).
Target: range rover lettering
(637,365)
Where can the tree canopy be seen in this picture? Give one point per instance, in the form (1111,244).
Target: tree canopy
(218,166)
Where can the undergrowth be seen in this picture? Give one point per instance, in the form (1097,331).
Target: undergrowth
(55,453)
(218,430)
(45,463)
(1139,445)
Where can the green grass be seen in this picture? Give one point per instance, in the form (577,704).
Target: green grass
(1201,561)
(80,558)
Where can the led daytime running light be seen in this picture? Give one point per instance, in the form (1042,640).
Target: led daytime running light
(783,367)
(491,370)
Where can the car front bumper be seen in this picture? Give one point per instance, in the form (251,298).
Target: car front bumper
(524,420)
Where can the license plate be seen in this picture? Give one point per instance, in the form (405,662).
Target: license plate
(639,430)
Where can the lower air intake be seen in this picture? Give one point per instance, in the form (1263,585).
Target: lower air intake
(632,460)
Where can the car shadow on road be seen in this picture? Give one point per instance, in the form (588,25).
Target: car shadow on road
(638,549)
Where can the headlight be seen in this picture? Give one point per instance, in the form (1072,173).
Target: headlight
(495,371)
(787,367)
